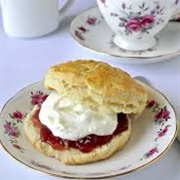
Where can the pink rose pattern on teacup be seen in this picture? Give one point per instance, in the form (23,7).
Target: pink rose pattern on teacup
(147,21)
(133,25)
(139,24)
(140,21)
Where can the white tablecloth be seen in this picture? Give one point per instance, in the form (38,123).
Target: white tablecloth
(23,62)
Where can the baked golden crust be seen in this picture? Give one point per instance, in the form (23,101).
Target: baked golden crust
(97,85)
(73,156)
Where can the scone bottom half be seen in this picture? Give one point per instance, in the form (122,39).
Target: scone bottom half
(77,153)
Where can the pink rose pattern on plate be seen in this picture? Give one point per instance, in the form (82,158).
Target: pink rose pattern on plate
(150,153)
(12,130)
(11,126)
(17,115)
(82,30)
(38,98)
(79,35)
(92,20)
(161,116)
(140,21)
(162,132)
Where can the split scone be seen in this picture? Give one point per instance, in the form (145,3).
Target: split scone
(86,117)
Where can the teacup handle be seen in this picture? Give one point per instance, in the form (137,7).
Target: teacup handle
(64,9)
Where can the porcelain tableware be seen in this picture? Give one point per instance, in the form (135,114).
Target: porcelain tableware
(151,137)
(136,22)
(90,30)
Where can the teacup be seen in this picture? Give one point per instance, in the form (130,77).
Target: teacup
(136,22)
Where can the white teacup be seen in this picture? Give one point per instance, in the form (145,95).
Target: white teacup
(31,18)
(136,22)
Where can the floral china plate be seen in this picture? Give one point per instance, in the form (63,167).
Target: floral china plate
(90,30)
(152,135)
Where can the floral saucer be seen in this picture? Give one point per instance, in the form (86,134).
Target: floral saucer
(90,30)
(152,135)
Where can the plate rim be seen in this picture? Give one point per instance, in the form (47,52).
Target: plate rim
(123,57)
(113,174)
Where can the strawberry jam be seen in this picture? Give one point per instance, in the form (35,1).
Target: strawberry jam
(86,144)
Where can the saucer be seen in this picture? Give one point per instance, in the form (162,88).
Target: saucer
(90,30)
(151,136)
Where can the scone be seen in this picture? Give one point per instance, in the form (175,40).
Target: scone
(86,118)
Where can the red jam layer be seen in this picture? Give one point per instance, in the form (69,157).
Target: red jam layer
(86,144)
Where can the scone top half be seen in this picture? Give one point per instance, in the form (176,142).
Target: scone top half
(97,85)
